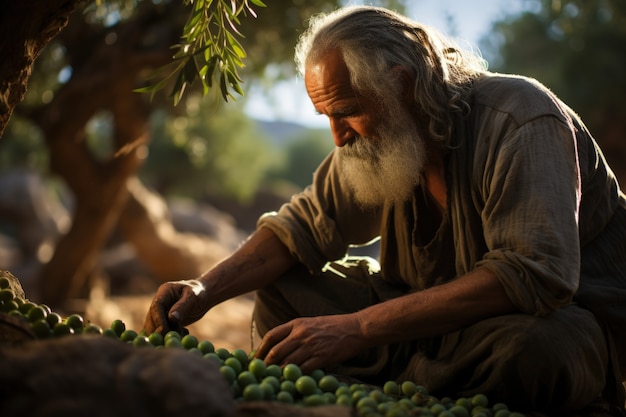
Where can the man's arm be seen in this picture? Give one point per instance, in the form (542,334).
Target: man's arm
(316,342)
(437,310)
(258,262)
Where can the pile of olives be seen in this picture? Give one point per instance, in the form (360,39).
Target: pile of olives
(251,379)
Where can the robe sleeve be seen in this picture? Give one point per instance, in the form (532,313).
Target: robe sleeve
(530,185)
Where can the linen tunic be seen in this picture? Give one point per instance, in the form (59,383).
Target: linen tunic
(530,197)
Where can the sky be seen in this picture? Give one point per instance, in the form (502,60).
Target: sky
(465,20)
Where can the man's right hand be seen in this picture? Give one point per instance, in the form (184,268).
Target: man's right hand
(175,305)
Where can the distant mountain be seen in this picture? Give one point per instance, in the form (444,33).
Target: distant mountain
(280,132)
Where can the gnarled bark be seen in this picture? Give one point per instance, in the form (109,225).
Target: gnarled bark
(26,27)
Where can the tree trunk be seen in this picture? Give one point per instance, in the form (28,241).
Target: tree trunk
(26,27)
(106,70)
(167,253)
(99,187)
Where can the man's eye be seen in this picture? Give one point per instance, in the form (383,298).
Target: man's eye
(352,112)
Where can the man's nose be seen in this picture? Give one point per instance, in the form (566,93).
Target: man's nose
(342,133)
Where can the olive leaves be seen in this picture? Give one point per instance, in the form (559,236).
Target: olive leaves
(209,50)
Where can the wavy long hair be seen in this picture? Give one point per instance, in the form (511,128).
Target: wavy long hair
(374,40)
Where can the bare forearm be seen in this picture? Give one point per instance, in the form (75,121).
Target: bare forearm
(258,262)
(435,311)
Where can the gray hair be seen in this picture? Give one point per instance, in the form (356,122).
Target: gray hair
(374,40)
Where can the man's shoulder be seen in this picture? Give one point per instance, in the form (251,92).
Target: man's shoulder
(522,97)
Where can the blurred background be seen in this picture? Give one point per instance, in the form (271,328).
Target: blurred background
(86,231)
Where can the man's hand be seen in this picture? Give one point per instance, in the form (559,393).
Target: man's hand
(176,304)
(313,342)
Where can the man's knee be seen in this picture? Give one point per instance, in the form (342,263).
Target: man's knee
(559,364)
(343,287)
(277,303)
(556,363)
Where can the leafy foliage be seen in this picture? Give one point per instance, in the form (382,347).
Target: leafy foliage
(576,47)
(209,50)
(25,149)
(194,155)
(302,156)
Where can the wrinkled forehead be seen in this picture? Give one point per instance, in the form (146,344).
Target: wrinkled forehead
(328,74)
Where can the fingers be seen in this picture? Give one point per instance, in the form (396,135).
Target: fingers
(160,317)
(271,338)
(311,343)
(188,302)
(276,345)
(310,364)
(281,347)
(177,318)
(175,305)
(156,318)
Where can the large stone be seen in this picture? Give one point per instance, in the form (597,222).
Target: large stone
(14,330)
(276,409)
(94,376)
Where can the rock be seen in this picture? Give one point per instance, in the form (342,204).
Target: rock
(14,330)
(94,376)
(37,214)
(275,409)
(14,283)
(205,220)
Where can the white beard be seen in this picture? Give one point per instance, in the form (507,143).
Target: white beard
(386,168)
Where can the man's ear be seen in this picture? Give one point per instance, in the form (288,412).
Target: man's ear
(407,83)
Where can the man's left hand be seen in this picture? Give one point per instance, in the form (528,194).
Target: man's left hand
(313,342)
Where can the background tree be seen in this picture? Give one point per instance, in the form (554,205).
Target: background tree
(302,155)
(182,162)
(575,47)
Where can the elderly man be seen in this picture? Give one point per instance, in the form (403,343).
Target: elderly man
(502,230)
